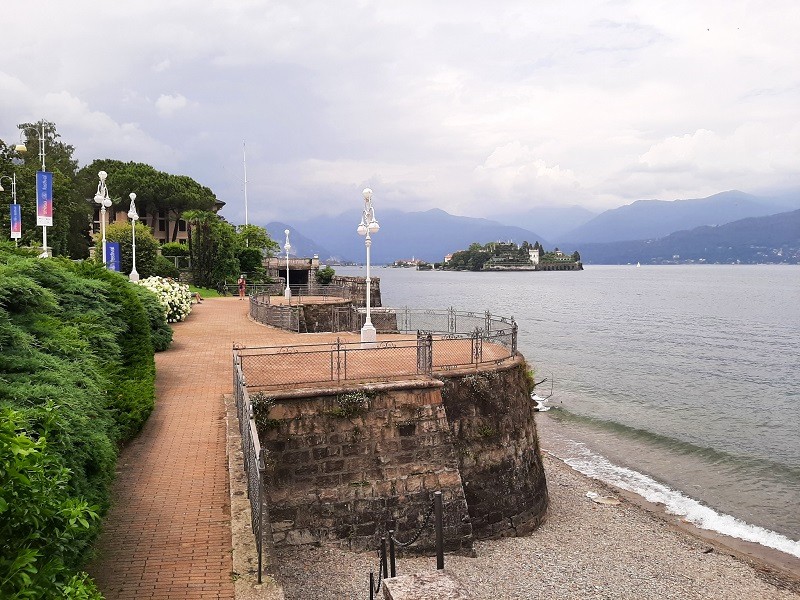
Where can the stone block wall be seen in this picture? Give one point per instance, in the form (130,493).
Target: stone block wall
(344,462)
(492,420)
(319,317)
(341,471)
(357,289)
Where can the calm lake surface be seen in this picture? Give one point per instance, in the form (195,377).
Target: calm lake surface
(680,383)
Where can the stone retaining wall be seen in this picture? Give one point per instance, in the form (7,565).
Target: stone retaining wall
(344,462)
(340,469)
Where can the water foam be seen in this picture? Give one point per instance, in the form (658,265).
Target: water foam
(598,467)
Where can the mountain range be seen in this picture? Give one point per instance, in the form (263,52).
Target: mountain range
(617,235)
(755,240)
(428,235)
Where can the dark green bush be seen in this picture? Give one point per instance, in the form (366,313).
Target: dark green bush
(77,377)
(43,527)
(174,249)
(165,267)
(160,330)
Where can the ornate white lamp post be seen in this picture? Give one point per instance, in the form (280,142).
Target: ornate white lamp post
(133,216)
(101,197)
(14,234)
(287,246)
(368,227)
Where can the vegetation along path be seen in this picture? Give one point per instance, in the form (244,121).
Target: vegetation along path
(168,534)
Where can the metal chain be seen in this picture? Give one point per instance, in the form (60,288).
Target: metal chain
(419,530)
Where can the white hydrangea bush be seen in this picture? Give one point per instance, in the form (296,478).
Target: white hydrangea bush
(174,297)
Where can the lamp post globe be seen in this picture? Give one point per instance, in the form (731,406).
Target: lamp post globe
(368,227)
(287,246)
(133,216)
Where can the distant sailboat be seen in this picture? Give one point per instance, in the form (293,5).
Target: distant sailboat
(638,265)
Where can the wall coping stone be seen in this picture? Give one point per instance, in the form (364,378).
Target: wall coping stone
(432,585)
(384,386)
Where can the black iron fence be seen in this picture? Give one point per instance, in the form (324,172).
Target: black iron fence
(254,464)
(387,565)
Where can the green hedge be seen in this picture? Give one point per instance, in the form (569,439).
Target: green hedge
(78,374)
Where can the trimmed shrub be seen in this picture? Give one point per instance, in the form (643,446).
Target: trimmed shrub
(77,378)
(166,268)
(174,249)
(160,331)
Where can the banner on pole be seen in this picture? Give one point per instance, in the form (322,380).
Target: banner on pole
(16,222)
(44,199)
(112,256)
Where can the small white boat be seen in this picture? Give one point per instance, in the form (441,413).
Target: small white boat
(638,265)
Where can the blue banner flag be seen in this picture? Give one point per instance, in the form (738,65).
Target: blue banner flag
(112,256)
(16,222)
(44,198)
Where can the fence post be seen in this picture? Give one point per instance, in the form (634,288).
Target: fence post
(260,500)
(488,322)
(338,359)
(429,363)
(513,336)
(437,506)
(392,560)
(383,557)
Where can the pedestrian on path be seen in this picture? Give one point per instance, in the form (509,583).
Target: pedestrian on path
(242,286)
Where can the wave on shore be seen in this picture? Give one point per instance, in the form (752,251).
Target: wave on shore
(583,460)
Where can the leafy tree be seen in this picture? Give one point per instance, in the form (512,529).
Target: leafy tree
(253,236)
(576,256)
(69,234)
(325,275)
(212,247)
(155,190)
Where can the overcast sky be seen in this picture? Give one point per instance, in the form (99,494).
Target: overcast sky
(473,107)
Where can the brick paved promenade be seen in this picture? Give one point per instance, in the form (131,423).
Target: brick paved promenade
(168,534)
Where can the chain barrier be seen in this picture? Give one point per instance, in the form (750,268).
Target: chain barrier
(390,570)
(419,530)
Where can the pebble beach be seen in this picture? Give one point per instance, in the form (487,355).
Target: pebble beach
(585,549)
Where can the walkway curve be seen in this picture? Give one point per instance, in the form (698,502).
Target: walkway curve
(168,535)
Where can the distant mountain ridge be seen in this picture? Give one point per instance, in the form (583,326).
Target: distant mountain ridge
(301,245)
(755,240)
(427,235)
(651,219)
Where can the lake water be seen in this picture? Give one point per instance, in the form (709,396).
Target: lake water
(680,383)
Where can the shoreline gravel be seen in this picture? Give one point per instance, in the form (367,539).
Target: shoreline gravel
(583,550)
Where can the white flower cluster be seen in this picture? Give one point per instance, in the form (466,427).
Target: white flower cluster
(174,297)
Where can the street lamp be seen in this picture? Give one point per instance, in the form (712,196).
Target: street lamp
(287,246)
(369,225)
(16,218)
(22,148)
(133,216)
(101,197)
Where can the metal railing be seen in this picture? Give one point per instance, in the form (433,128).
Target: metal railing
(403,356)
(389,568)
(254,464)
(283,317)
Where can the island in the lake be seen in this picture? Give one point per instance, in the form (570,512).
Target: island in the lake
(509,256)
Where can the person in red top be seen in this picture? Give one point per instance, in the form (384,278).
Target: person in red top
(242,286)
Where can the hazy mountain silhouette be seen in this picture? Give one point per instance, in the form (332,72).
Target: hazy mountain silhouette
(770,239)
(428,235)
(301,245)
(550,221)
(650,219)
